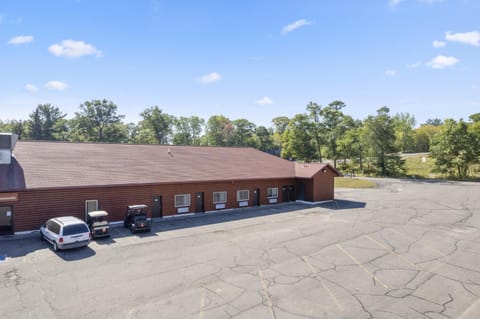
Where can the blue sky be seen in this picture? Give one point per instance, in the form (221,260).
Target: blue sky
(243,59)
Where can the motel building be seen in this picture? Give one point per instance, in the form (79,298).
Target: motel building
(40,180)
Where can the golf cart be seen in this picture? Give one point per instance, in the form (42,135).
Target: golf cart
(98,224)
(136,218)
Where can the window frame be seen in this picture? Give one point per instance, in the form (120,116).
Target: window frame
(220,201)
(269,189)
(243,199)
(185,196)
(86,206)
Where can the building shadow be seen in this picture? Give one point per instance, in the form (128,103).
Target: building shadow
(26,244)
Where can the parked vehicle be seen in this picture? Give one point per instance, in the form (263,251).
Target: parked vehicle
(65,232)
(136,218)
(98,224)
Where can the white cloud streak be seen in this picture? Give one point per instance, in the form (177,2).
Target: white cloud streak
(210,78)
(471,38)
(73,49)
(56,86)
(442,62)
(391,72)
(21,39)
(31,88)
(264,101)
(295,25)
(438,44)
(413,65)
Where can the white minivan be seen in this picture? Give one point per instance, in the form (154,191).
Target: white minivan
(65,232)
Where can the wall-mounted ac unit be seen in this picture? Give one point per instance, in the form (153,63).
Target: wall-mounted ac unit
(5,156)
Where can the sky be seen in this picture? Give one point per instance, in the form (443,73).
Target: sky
(253,59)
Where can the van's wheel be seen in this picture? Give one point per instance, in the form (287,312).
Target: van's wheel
(41,237)
(55,247)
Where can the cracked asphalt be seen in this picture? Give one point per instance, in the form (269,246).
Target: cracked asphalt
(407,249)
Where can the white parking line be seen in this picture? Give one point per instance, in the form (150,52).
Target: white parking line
(330,293)
(415,240)
(361,266)
(408,261)
(201,314)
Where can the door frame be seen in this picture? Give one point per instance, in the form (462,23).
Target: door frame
(157,202)
(199,202)
(8,230)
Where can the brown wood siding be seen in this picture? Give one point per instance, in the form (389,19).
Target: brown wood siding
(34,207)
(323,186)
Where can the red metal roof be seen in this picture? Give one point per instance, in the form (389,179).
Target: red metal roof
(56,164)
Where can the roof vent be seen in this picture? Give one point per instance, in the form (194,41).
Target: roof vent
(7,144)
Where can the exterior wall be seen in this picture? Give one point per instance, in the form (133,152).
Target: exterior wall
(34,207)
(323,186)
(307,188)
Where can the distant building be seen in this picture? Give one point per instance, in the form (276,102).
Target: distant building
(40,180)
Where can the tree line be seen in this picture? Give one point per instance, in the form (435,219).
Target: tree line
(371,146)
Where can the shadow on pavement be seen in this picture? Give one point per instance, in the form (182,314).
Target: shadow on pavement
(26,244)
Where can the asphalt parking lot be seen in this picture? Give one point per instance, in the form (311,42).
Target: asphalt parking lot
(407,249)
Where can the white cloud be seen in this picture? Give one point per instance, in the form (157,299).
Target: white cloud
(394,3)
(264,101)
(56,85)
(73,49)
(210,78)
(431,1)
(391,72)
(413,65)
(31,88)
(472,38)
(21,39)
(295,25)
(439,44)
(442,62)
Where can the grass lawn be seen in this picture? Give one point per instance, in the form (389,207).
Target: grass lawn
(347,182)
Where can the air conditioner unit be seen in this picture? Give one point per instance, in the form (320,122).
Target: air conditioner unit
(5,156)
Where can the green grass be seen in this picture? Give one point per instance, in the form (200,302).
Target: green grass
(347,182)
(415,166)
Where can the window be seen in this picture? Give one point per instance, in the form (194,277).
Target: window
(219,197)
(272,192)
(91,205)
(242,195)
(182,200)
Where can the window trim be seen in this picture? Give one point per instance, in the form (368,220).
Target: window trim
(270,189)
(186,196)
(243,199)
(86,206)
(221,201)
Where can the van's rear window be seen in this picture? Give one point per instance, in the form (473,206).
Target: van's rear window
(74,229)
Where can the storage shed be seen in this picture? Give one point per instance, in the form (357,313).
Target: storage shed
(41,180)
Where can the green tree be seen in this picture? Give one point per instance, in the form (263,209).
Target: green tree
(334,126)
(18,127)
(265,139)
(188,130)
(351,145)
(404,124)
(314,111)
(243,132)
(297,139)
(423,137)
(218,131)
(155,126)
(280,124)
(47,122)
(98,121)
(380,138)
(455,148)
(434,122)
